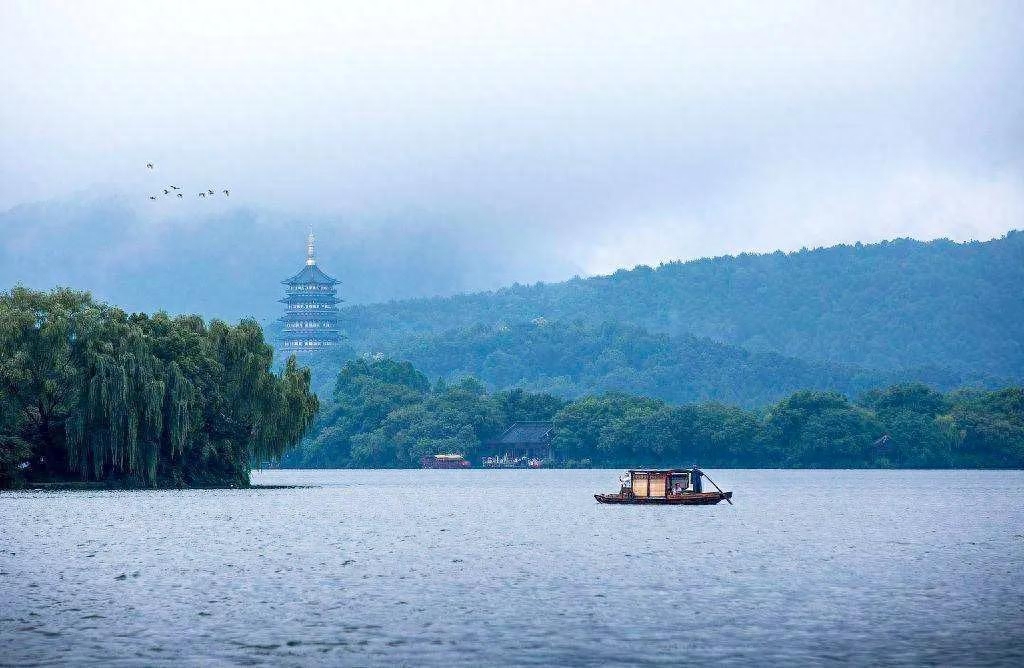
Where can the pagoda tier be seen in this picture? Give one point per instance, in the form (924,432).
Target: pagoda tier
(296,299)
(293,314)
(311,317)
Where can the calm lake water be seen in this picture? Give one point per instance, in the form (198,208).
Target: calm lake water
(519,567)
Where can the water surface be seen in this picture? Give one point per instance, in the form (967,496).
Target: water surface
(519,567)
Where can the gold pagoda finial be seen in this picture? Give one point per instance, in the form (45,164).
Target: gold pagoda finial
(310,240)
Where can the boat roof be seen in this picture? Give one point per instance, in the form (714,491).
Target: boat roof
(667,471)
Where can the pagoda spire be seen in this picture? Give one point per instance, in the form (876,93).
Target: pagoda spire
(310,253)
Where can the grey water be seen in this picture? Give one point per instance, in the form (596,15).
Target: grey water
(519,568)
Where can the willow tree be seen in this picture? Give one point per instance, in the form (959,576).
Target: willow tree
(93,393)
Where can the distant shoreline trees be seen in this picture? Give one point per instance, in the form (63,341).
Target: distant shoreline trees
(91,393)
(386,413)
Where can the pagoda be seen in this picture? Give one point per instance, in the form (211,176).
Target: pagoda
(311,313)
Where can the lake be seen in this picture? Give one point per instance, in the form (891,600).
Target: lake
(519,567)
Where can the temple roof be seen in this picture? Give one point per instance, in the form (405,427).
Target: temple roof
(311,274)
(526,432)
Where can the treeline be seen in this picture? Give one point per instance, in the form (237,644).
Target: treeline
(90,393)
(896,305)
(387,414)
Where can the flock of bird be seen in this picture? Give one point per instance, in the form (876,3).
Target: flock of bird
(172,190)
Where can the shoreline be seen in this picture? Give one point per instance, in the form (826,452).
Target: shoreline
(105,487)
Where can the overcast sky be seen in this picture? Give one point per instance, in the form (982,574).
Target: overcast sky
(599,134)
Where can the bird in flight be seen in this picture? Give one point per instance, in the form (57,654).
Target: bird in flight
(202,194)
(175,188)
(179,194)
(166,191)
(227,192)
(151,197)
(149,165)
(210,191)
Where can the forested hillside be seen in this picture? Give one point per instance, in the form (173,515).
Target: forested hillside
(896,305)
(576,359)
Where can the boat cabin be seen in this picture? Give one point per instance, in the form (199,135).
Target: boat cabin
(651,484)
(667,487)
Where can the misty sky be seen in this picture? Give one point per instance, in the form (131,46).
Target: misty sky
(575,137)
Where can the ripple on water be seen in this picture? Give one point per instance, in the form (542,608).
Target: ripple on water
(523,567)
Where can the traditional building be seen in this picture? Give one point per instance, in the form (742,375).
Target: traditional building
(521,445)
(311,313)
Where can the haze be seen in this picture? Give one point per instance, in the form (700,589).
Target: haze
(440,147)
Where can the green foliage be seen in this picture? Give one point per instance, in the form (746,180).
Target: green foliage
(88,392)
(818,429)
(992,427)
(386,415)
(576,359)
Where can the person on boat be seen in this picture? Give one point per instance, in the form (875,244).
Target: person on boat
(696,475)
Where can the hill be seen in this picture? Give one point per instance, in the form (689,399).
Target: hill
(576,359)
(896,307)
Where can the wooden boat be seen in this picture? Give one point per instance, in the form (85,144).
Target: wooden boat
(666,487)
(445,461)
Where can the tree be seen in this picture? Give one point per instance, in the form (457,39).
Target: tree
(822,429)
(97,394)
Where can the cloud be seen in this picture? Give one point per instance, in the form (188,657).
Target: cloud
(562,137)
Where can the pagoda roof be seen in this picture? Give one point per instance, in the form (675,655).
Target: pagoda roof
(311,274)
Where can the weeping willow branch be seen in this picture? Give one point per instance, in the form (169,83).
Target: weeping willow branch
(101,394)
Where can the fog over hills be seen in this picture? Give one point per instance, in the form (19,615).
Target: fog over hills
(227,261)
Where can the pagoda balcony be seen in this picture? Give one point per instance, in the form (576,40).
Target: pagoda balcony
(321,339)
(311,289)
(295,346)
(306,327)
(310,299)
(312,308)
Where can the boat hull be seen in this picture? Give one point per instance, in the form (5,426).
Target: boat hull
(686,499)
(434,463)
